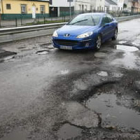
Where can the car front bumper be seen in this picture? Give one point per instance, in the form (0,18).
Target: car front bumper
(73,44)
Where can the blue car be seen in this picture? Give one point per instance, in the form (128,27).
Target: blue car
(86,31)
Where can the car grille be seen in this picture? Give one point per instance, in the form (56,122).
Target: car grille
(66,42)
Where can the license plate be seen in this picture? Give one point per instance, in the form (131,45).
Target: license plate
(66,47)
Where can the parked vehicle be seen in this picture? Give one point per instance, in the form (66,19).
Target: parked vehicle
(86,31)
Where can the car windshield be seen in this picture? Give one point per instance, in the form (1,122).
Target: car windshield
(85,20)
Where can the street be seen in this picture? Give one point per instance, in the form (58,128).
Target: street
(51,94)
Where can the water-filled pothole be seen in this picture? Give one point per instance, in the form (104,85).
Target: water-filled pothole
(42,52)
(130,58)
(68,131)
(112,113)
(126,48)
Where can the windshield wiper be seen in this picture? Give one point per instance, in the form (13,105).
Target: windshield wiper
(79,21)
(93,21)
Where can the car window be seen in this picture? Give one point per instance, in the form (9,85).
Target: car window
(110,18)
(105,20)
(85,20)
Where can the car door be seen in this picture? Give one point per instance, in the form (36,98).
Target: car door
(111,24)
(106,28)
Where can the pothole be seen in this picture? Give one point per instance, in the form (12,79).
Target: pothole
(126,48)
(45,45)
(130,57)
(68,131)
(4,53)
(112,113)
(42,52)
(8,58)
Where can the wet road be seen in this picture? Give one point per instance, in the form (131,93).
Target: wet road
(48,94)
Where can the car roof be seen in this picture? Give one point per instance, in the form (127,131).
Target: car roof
(101,14)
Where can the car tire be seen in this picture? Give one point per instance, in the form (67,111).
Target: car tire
(98,42)
(115,34)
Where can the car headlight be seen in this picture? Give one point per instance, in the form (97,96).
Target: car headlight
(55,34)
(85,35)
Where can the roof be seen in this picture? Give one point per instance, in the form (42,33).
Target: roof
(111,2)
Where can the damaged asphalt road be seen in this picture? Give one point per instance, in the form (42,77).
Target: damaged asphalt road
(49,94)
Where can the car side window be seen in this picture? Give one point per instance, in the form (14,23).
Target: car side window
(110,18)
(105,20)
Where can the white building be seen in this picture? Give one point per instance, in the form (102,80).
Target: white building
(129,5)
(120,4)
(110,5)
(61,7)
(82,5)
(97,5)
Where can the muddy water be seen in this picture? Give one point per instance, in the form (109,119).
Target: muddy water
(68,131)
(112,113)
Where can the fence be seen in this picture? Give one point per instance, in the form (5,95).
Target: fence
(46,20)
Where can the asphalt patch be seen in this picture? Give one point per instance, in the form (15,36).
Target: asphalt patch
(68,131)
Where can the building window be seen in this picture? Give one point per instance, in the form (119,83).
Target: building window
(23,9)
(42,9)
(8,6)
(79,6)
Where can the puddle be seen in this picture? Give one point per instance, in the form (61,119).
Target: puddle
(64,72)
(112,113)
(126,48)
(17,134)
(42,52)
(68,131)
(100,55)
(102,73)
(129,57)
(8,58)
(122,42)
(135,44)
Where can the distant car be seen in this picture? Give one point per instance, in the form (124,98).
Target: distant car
(86,31)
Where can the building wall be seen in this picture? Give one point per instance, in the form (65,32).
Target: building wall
(15,11)
(82,5)
(63,3)
(100,5)
(120,4)
(1,7)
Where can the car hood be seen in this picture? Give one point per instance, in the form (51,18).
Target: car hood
(75,30)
